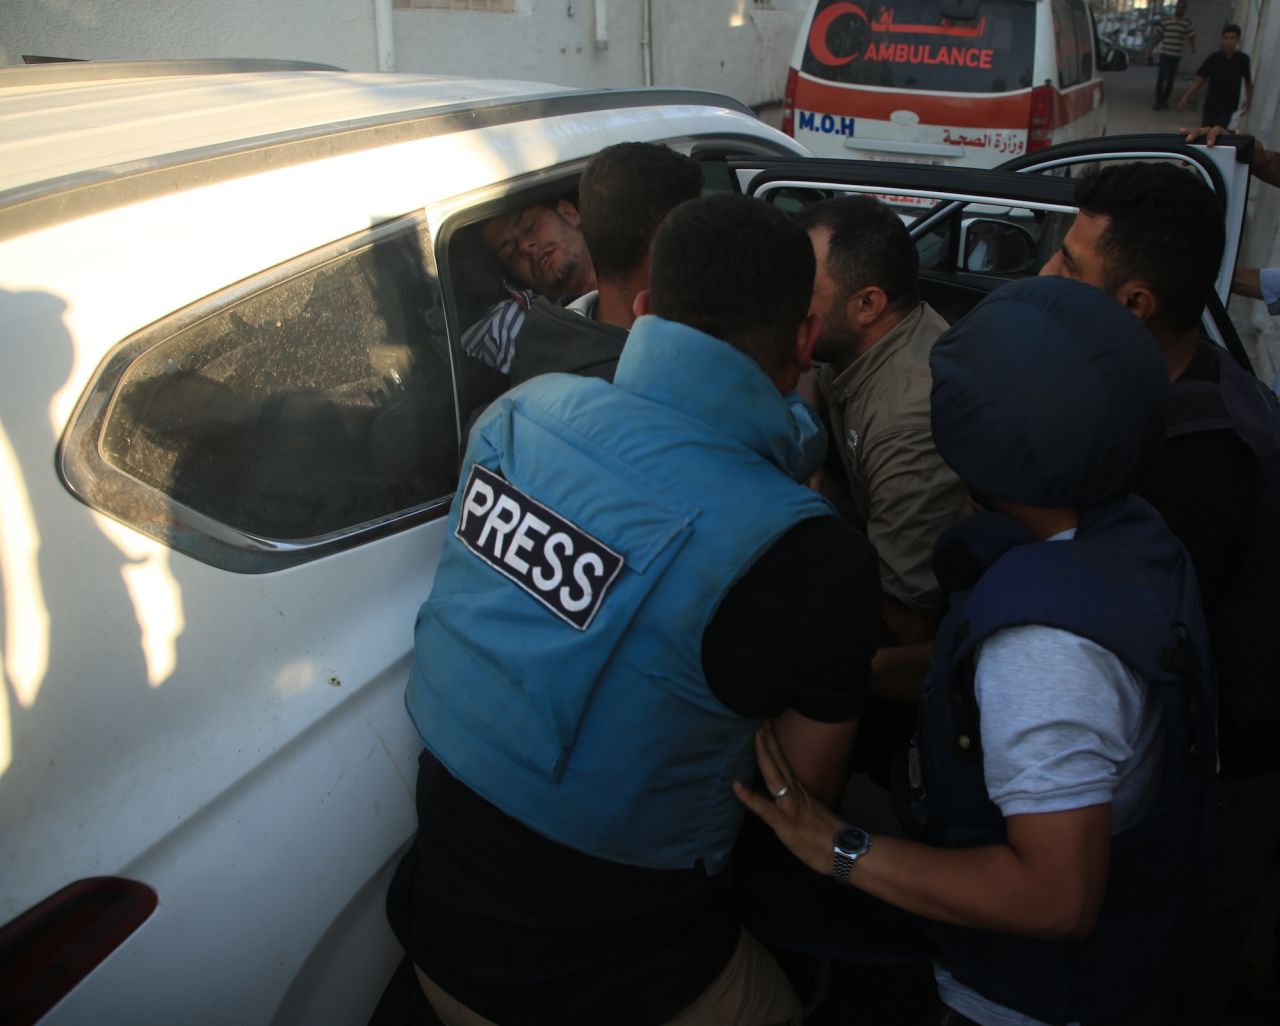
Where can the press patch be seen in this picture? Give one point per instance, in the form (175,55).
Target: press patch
(556,562)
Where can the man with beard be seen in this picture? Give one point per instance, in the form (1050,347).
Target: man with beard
(876,336)
(543,252)
(624,193)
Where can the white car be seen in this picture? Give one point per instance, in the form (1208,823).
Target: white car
(231,400)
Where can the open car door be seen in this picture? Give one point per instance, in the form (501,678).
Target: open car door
(975,229)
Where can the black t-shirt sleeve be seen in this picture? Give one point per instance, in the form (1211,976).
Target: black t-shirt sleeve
(798,630)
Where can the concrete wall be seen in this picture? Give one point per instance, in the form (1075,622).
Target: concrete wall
(544,41)
(726,45)
(731,46)
(337,32)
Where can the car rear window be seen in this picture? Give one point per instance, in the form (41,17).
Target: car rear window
(907,44)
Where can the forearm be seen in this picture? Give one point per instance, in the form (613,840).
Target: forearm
(1046,880)
(1247,282)
(1265,164)
(898,672)
(818,753)
(909,626)
(984,888)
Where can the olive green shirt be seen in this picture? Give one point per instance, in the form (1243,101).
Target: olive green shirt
(903,494)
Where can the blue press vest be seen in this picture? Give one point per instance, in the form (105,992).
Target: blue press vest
(590,721)
(1242,626)
(1126,584)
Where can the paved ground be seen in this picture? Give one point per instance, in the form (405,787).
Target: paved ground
(1130,94)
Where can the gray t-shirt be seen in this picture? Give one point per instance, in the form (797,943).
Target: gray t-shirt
(1065,725)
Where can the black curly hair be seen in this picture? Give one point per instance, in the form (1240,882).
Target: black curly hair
(1166,229)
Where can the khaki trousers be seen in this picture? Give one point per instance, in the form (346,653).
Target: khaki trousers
(752,990)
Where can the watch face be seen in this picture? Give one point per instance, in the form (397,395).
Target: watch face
(853,841)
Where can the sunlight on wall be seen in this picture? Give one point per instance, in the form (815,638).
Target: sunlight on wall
(738,17)
(156,597)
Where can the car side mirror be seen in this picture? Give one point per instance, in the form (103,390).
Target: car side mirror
(997,247)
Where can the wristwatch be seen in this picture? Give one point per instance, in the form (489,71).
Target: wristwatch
(850,844)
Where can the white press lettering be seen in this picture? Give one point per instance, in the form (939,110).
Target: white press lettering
(479,499)
(545,581)
(500,527)
(522,541)
(575,605)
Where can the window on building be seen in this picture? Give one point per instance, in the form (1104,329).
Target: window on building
(495,6)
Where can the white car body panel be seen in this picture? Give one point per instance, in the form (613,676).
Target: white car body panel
(237,742)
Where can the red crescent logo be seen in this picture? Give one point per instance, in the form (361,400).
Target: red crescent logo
(822,24)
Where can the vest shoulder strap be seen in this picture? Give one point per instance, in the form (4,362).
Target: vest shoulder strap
(1091,590)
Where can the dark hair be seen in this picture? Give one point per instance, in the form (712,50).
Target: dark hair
(1229,27)
(625,192)
(736,268)
(1166,228)
(869,246)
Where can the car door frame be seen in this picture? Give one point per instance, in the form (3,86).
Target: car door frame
(1033,180)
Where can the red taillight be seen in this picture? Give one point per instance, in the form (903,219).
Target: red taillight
(789,104)
(50,948)
(1040,127)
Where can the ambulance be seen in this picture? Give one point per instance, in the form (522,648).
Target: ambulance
(966,82)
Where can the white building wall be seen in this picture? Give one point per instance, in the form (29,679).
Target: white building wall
(544,41)
(730,46)
(337,32)
(739,47)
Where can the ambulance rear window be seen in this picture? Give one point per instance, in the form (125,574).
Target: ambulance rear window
(907,44)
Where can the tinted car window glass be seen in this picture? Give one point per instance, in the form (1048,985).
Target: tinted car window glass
(316,403)
(907,44)
(1084,39)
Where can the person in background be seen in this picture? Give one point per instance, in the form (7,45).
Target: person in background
(1223,72)
(1173,36)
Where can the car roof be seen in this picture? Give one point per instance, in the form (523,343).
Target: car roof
(62,120)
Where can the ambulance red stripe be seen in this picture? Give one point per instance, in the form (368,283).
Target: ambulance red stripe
(1008,110)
